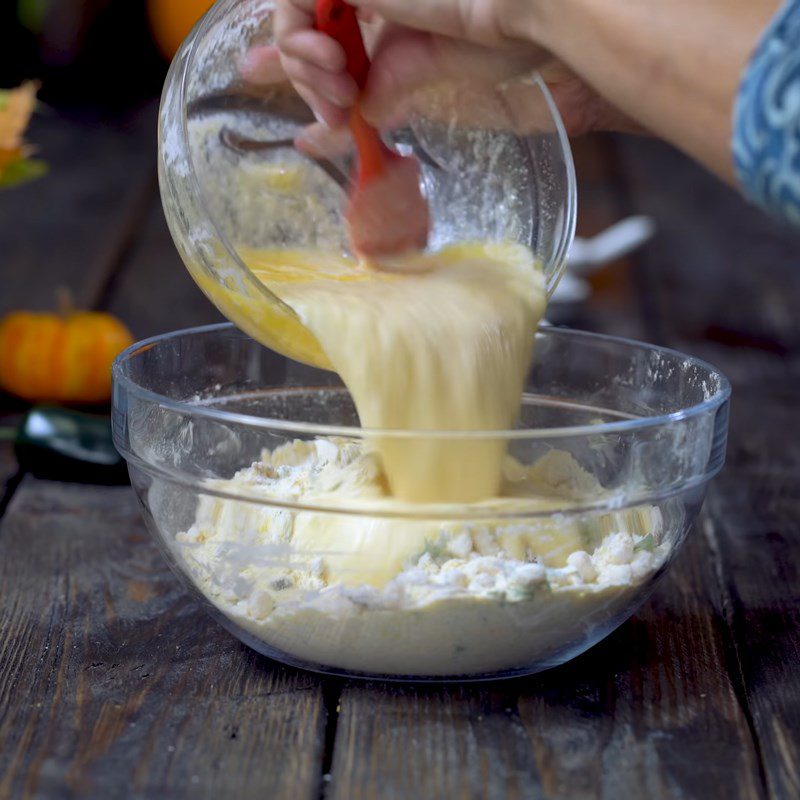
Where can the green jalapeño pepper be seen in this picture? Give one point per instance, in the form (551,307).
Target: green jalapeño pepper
(60,444)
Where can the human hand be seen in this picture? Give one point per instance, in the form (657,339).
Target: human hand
(406,60)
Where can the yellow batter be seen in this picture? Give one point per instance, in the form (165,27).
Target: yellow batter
(430,342)
(440,343)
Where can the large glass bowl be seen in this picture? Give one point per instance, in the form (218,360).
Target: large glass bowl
(496,165)
(486,591)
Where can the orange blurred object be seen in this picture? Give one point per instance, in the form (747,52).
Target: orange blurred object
(172,20)
(62,358)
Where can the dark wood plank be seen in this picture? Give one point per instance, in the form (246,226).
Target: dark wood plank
(752,523)
(731,297)
(8,468)
(409,742)
(114,682)
(154,292)
(652,711)
(718,270)
(635,717)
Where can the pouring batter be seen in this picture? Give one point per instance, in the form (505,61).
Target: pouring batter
(443,344)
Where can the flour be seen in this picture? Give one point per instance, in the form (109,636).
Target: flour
(398,596)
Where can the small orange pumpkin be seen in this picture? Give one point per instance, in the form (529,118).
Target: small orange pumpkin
(64,358)
(172,20)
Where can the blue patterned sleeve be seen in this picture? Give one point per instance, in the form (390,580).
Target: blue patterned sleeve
(766,129)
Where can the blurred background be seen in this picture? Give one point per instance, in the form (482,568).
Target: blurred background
(93,55)
(77,238)
(95,217)
(93,225)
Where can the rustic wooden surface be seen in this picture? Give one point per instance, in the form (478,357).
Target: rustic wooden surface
(114,684)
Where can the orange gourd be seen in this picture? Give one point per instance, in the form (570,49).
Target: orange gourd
(64,358)
(172,20)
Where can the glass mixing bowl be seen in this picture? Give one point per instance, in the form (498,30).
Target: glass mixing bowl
(607,475)
(496,165)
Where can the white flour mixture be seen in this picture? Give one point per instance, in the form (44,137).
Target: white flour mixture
(415,597)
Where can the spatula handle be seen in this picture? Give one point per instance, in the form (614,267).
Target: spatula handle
(338,20)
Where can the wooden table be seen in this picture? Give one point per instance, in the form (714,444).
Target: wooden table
(114,684)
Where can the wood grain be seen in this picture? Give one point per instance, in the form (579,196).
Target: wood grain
(638,715)
(752,523)
(731,297)
(399,741)
(115,683)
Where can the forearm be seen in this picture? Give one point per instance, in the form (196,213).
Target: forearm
(674,66)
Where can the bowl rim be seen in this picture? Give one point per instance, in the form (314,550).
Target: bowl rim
(198,408)
(189,49)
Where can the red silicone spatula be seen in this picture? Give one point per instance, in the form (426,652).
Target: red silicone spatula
(386,214)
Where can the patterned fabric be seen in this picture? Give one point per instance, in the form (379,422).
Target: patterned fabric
(766,131)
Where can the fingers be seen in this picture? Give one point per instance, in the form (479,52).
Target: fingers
(405,61)
(337,88)
(582,109)
(320,141)
(314,48)
(328,95)
(292,16)
(326,113)
(314,63)
(262,66)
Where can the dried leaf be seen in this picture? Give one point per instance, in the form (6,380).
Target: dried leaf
(16,109)
(22,171)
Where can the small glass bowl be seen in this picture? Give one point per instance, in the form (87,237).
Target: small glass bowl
(496,165)
(488,591)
